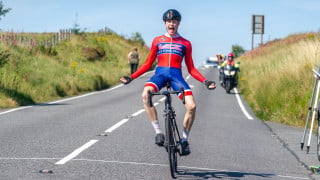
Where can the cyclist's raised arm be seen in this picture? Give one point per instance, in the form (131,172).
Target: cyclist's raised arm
(194,72)
(147,65)
(189,63)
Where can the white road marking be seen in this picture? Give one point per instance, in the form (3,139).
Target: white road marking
(152,164)
(72,98)
(76,152)
(15,158)
(188,77)
(112,128)
(138,112)
(16,109)
(64,100)
(188,167)
(88,94)
(245,112)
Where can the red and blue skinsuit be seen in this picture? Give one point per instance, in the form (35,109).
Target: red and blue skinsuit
(170,52)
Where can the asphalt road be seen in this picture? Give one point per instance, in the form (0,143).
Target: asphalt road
(107,135)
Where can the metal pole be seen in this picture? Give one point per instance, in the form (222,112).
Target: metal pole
(252,42)
(309,110)
(313,116)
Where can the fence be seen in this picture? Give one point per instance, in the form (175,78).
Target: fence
(44,39)
(35,39)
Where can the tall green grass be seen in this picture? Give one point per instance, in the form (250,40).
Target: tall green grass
(277,79)
(41,74)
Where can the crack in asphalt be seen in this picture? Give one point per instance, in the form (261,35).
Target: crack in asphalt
(285,145)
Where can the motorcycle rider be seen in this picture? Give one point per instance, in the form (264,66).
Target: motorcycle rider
(220,58)
(229,61)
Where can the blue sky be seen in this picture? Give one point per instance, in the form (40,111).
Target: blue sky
(212,26)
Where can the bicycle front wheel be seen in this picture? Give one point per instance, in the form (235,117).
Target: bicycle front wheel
(171,147)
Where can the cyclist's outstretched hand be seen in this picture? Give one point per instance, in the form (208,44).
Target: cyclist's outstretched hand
(210,84)
(126,79)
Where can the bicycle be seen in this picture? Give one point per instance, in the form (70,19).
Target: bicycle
(318,133)
(318,115)
(172,136)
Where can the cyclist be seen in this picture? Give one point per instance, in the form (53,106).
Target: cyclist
(170,49)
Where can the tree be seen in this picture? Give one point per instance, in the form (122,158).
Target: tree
(76,27)
(137,37)
(3,11)
(237,50)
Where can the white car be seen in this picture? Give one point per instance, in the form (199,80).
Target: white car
(211,62)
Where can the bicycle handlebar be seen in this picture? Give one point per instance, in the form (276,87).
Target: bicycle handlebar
(165,93)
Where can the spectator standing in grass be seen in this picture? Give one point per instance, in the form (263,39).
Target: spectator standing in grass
(133,59)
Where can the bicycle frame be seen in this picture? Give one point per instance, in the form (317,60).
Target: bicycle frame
(170,113)
(172,132)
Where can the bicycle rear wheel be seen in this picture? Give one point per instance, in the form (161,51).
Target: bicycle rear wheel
(171,147)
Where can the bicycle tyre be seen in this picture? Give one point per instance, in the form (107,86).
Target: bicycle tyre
(171,147)
(174,146)
(318,136)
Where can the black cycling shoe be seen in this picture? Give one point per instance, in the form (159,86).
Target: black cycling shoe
(185,149)
(160,139)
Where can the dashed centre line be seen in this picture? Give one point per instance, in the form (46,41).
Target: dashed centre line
(112,128)
(76,152)
(115,126)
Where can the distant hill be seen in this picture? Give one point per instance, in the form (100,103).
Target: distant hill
(36,71)
(277,78)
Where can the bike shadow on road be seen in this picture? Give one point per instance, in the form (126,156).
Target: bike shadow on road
(210,174)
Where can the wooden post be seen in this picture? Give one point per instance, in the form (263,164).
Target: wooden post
(59,37)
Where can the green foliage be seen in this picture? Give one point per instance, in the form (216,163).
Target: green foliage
(49,50)
(41,74)
(93,53)
(277,78)
(76,27)
(237,50)
(138,38)
(3,11)
(4,57)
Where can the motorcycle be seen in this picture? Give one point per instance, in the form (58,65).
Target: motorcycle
(230,79)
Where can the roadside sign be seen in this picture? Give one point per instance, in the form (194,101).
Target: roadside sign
(257,24)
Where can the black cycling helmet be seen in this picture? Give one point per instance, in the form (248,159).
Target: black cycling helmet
(172,14)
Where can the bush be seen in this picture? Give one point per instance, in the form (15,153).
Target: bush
(4,57)
(50,51)
(237,50)
(93,54)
